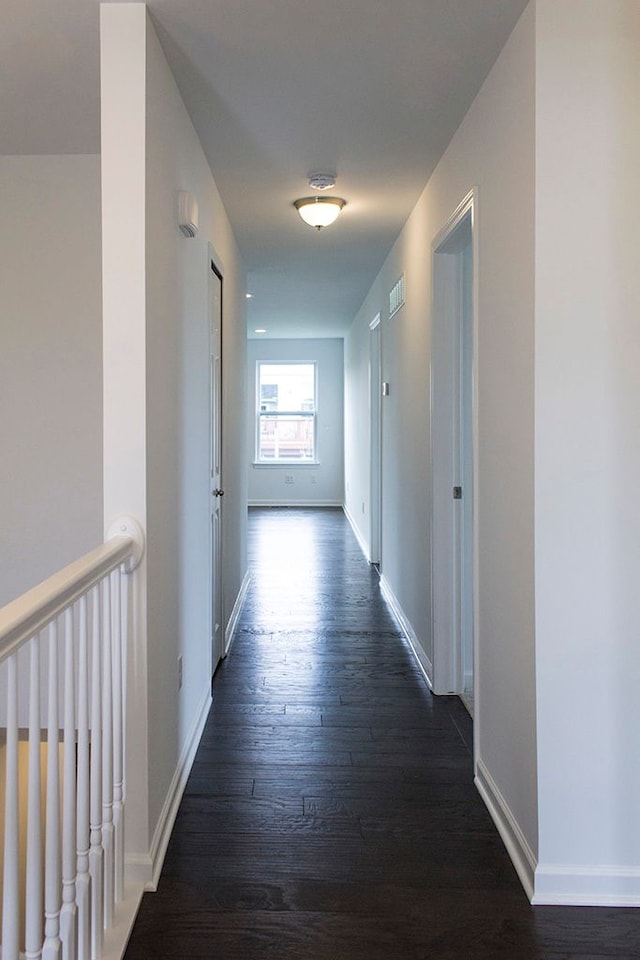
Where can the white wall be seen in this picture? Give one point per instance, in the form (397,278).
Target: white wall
(50,366)
(587,449)
(493,150)
(357,414)
(157,463)
(318,483)
(178,408)
(553,144)
(123,146)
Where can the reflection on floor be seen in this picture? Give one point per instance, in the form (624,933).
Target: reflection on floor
(331,813)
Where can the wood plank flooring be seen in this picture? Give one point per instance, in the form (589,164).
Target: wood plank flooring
(331,813)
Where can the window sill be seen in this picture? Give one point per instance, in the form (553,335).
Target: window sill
(285,464)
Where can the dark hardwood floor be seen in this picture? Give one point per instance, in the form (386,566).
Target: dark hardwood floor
(330,813)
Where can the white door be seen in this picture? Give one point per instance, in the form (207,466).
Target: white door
(217,492)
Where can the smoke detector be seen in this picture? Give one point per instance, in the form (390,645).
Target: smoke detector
(322,181)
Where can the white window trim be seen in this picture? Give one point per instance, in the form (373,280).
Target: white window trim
(285,464)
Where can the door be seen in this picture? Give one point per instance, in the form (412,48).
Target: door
(217,491)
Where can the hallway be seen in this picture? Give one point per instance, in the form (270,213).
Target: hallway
(330,813)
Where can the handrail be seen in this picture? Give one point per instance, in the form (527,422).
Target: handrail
(63,665)
(20,619)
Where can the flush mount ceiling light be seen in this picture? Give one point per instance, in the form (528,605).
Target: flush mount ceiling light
(319,212)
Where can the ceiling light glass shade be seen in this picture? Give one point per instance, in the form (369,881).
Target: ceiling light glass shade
(319,212)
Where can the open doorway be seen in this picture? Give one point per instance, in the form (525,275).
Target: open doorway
(375,442)
(215,461)
(453,412)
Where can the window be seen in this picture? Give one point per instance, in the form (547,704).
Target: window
(286,414)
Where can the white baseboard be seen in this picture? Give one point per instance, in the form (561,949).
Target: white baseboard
(169,811)
(295,503)
(587,886)
(521,854)
(362,543)
(139,869)
(232,625)
(117,936)
(405,625)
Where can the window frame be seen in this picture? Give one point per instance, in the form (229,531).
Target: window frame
(306,414)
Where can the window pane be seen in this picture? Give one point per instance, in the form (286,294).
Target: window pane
(286,412)
(286,387)
(286,438)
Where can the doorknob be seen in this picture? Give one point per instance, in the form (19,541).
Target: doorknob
(218,493)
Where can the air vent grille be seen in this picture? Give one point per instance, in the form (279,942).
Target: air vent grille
(396,296)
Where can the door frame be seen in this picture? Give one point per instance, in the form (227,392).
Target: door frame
(444,447)
(214,270)
(375,441)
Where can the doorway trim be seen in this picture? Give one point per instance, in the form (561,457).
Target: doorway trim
(215,275)
(375,441)
(447,312)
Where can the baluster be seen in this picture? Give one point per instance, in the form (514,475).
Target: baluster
(83,880)
(118,823)
(51,948)
(68,914)
(125,594)
(11,889)
(33,889)
(107,757)
(96,855)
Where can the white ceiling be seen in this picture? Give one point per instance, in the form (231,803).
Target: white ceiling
(370,90)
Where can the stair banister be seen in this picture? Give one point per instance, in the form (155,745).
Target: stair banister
(63,871)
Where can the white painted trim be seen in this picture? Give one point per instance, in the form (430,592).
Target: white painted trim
(362,543)
(475,434)
(138,869)
(447,677)
(465,206)
(410,635)
(214,256)
(521,854)
(587,886)
(375,440)
(285,465)
(169,811)
(123,45)
(127,526)
(216,405)
(230,629)
(295,503)
(117,937)
(30,613)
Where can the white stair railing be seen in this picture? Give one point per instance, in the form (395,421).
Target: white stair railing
(63,656)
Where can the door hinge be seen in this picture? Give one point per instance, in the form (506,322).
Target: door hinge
(457,493)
